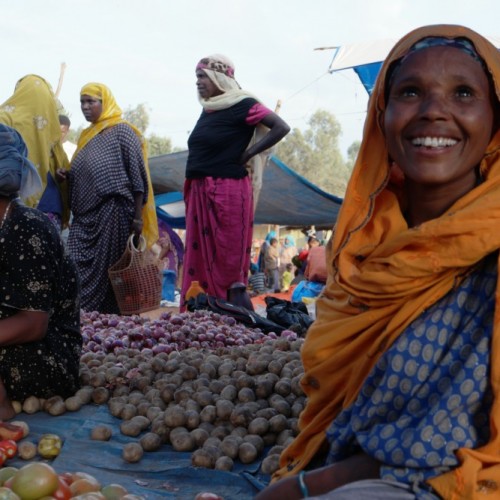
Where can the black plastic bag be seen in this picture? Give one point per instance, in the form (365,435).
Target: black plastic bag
(241,314)
(291,315)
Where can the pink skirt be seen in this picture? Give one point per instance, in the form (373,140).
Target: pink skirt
(219,228)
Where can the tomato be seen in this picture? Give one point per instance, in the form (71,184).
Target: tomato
(90,495)
(11,431)
(114,491)
(84,485)
(63,492)
(67,477)
(49,446)
(9,447)
(34,481)
(8,482)
(6,473)
(8,494)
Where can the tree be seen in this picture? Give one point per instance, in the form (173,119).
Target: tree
(315,154)
(138,116)
(158,145)
(352,154)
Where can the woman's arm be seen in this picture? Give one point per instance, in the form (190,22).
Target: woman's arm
(23,327)
(325,479)
(137,223)
(278,128)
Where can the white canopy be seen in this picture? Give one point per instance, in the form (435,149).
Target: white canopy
(362,53)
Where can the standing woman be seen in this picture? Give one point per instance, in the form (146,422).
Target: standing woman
(32,111)
(111,195)
(40,339)
(402,365)
(218,191)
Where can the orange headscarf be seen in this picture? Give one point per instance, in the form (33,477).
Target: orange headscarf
(112,115)
(383,275)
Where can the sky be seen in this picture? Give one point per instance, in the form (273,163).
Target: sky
(146,51)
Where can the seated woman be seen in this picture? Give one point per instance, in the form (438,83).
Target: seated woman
(40,341)
(403,362)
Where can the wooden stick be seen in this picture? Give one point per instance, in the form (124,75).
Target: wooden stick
(61,77)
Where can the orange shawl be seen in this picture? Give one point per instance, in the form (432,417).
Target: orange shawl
(369,301)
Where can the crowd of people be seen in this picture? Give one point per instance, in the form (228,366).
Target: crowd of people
(278,264)
(400,367)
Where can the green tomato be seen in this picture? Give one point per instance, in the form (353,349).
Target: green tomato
(6,473)
(113,491)
(34,481)
(8,494)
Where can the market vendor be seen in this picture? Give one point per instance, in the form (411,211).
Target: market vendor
(40,341)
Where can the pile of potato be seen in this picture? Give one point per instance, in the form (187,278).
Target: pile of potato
(223,405)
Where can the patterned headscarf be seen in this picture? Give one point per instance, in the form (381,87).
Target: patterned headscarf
(17,173)
(220,70)
(459,43)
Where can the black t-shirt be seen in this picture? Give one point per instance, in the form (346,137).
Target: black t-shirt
(217,142)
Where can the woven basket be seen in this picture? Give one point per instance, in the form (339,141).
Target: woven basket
(136,279)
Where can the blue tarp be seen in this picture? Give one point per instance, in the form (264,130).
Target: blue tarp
(286,198)
(163,474)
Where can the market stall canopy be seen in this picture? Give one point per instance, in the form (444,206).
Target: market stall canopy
(365,58)
(286,198)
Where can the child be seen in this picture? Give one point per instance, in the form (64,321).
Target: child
(286,279)
(271,264)
(257,280)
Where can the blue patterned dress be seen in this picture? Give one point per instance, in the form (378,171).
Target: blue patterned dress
(429,394)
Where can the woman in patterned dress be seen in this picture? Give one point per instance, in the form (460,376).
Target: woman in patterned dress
(110,195)
(403,362)
(218,191)
(40,341)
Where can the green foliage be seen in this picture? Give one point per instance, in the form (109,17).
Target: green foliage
(352,153)
(138,116)
(315,153)
(158,145)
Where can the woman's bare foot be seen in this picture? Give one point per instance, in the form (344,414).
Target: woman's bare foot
(6,409)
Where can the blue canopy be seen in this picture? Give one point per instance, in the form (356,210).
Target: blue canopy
(286,198)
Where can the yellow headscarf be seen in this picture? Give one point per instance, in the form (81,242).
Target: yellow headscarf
(112,115)
(383,275)
(32,111)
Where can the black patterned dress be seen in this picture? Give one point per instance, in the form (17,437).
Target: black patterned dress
(37,275)
(103,178)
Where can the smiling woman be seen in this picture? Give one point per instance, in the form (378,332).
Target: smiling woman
(438,123)
(402,363)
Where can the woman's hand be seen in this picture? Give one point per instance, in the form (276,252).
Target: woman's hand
(325,479)
(23,327)
(136,227)
(245,158)
(61,175)
(285,488)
